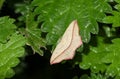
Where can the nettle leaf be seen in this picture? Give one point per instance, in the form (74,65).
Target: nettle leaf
(117,6)
(114,19)
(113,58)
(32,31)
(57,15)
(93,76)
(9,53)
(33,34)
(6,28)
(95,58)
(23,9)
(103,58)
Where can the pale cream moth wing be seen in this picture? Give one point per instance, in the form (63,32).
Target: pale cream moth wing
(70,41)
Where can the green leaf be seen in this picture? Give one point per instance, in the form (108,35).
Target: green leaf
(94,58)
(117,6)
(32,31)
(9,54)
(6,28)
(58,14)
(97,76)
(108,31)
(114,19)
(24,9)
(103,58)
(93,76)
(34,40)
(113,58)
(117,77)
(84,77)
(33,34)
(1,3)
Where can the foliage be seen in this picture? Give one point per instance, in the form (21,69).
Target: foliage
(6,28)
(31,31)
(9,54)
(102,58)
(40,24)
(53,11)
(114,18)
(1,3)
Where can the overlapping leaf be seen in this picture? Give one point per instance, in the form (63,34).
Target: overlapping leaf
(103,58)
(34,40)
(31,31)
(113,58)
(117,6)
(114,19)
(9,54)
(94,59)
(93,76)
(57,14)
(6,28)
(33,34)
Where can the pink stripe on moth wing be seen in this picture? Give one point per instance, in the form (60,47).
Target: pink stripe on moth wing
(69,43)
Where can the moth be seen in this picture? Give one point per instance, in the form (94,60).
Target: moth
(69,42)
